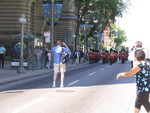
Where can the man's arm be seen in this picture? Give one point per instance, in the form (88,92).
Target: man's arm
(65,46)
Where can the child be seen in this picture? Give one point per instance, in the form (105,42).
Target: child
(142,74)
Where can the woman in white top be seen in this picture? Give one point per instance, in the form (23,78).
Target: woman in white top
(49,59)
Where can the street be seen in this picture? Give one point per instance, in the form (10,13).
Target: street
(91,88)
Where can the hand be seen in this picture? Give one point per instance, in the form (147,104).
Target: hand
(63,43)
(118,76)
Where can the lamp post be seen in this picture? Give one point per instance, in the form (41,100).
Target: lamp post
(52,30)
(22,20)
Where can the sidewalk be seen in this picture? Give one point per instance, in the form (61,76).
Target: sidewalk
(8,75)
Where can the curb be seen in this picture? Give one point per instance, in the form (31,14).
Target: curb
(21,77)
(30,75)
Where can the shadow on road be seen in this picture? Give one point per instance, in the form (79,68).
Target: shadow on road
(107,78)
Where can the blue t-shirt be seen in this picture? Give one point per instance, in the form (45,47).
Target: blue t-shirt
(143,77)
(57,52)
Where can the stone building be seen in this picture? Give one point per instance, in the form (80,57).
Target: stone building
(10,11)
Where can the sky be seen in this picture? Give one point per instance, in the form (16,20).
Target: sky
(136,22)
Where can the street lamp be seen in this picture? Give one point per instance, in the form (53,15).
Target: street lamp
(22,20)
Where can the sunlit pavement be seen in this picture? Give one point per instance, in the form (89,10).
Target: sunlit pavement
(91,89)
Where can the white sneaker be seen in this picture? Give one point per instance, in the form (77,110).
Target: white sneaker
(61,85)
(54,85)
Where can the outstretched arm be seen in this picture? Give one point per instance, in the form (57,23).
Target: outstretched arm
(133,71)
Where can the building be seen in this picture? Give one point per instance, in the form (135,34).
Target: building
(10,11)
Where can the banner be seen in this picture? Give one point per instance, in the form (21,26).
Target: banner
(88,27)
(47,9)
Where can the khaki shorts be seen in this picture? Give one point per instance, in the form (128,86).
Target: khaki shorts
(60,67)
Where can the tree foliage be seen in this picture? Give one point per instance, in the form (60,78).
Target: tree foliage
(100,11)
(118,35)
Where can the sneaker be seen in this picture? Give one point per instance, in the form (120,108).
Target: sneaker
(54,85)
(61,85)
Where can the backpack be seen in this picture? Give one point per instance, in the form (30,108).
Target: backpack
(64,57)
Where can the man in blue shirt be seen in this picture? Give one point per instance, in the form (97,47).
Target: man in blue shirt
(58,65)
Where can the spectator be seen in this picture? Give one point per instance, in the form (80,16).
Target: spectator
(138,45)
(59,66)
(2,54)
(48,59)
(142,74)
(45,57)
(81,58)
(77,56)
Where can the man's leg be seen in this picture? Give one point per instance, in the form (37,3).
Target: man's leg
(55,78)
(62,79)
(56,70)
(62,70)
(2,61)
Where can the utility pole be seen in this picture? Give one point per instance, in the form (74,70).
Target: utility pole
(52,31)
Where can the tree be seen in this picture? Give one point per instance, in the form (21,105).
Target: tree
(118,35)
(101,11)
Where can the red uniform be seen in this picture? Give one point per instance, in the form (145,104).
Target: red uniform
(123,57)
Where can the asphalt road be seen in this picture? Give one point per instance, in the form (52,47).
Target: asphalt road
(91,88)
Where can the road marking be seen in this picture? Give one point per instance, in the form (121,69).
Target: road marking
(102,69)
(92,73)
(108,66)
(29,105)
(73,83)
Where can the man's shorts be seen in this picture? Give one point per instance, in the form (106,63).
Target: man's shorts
(60,67)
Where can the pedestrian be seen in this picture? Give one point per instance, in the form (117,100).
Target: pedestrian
(138,45)
(2,54)
(58,65)
(142,74)
(72,57)
(123,57)
(104,56)
(45,57)
(77,54)
(111,57)
(48,59)
(81,58)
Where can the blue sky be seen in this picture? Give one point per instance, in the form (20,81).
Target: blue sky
(136,22)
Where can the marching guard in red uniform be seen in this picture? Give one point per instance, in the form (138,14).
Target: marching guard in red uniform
(123,57)
(104,56)
(111,57)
